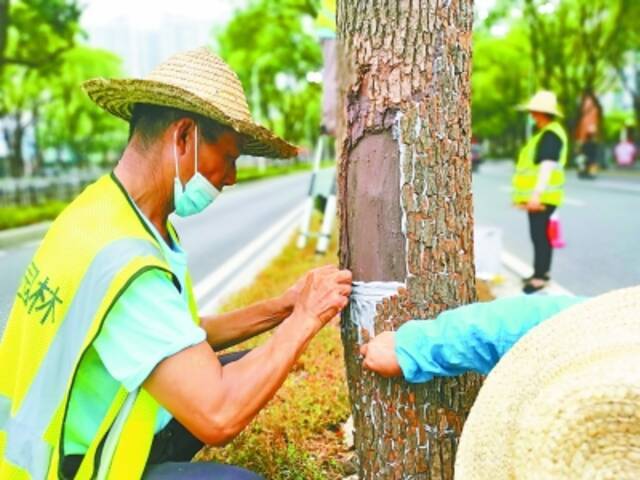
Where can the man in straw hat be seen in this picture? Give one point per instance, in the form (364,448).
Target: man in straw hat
(108,369)
(538,180)
(562,399)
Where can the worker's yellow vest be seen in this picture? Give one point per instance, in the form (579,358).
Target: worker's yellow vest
(96,247)
(326,20)
(526,175)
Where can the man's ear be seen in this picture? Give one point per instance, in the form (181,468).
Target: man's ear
(180,133)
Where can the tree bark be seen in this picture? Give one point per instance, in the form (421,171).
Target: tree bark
(406,214)
(15,138)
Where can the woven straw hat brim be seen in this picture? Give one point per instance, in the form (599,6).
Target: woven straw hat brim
(564,402)
(540,108)
(118,96)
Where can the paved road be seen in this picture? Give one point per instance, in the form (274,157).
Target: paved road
(601,220)
(601,224)
(240,215)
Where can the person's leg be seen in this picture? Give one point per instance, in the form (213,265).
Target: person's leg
(174,447)
(175,443)
(546,250)
(538,226)
(198,471)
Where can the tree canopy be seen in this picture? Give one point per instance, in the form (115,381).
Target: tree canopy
(41,68)
(572,47)
(270,44)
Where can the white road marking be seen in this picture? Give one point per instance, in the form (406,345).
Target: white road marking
(258,252)
(520,268)
(567,200)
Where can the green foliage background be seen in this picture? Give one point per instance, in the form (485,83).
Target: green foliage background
(272,47)
(572,47)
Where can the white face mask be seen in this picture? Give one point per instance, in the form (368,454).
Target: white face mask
(198,193)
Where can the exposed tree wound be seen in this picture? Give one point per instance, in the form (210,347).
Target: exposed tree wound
(376,241)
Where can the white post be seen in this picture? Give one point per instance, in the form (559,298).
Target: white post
(327,221)
(308,207)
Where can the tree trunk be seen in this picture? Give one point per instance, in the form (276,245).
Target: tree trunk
(14,143)
(406,214)
(37,154)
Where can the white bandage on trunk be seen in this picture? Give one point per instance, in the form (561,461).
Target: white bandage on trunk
(364,298)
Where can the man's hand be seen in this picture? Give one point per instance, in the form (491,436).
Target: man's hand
(325,292)
(290,297)
(380,355)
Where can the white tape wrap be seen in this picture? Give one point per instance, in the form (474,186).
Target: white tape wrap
(364,298)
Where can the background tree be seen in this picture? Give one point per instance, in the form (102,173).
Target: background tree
(501,79)
(270,44)
(22,95)
(406,214)
(572,47)
(70,121)
(34,34)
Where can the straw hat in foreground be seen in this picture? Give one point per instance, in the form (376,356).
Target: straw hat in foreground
(543,101)
(564,402)
(196,81)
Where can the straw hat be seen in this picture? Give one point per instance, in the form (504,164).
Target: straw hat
(543,101)
(195,81)
(564,402)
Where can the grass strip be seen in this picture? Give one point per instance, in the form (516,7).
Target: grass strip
(19,216)
(297,436)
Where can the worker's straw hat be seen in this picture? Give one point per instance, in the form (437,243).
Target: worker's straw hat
(564,402)
(543,101)
(196,81)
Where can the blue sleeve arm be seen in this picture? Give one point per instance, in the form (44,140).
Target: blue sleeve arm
(471,337)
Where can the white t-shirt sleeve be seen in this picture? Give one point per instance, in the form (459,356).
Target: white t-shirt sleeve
(148,323)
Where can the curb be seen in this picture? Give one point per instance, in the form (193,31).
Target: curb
(16,236)
(522,270)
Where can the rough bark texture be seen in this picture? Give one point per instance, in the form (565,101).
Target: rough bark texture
(406,213)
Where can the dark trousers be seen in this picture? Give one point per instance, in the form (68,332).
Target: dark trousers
(538,226)
(171,451)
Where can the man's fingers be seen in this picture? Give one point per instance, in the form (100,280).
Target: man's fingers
(344,290)
(344,276)
(363,349)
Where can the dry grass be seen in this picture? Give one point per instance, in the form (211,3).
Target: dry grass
(297,436)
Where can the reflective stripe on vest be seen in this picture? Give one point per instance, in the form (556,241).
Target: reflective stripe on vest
(526,175)
(25,446)
(100,218)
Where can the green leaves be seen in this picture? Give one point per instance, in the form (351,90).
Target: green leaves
(272,48)
(38,32)
(572,47)
(70,119)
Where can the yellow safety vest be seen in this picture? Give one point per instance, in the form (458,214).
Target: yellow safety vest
(326,19)
(96,247)
(526,175)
